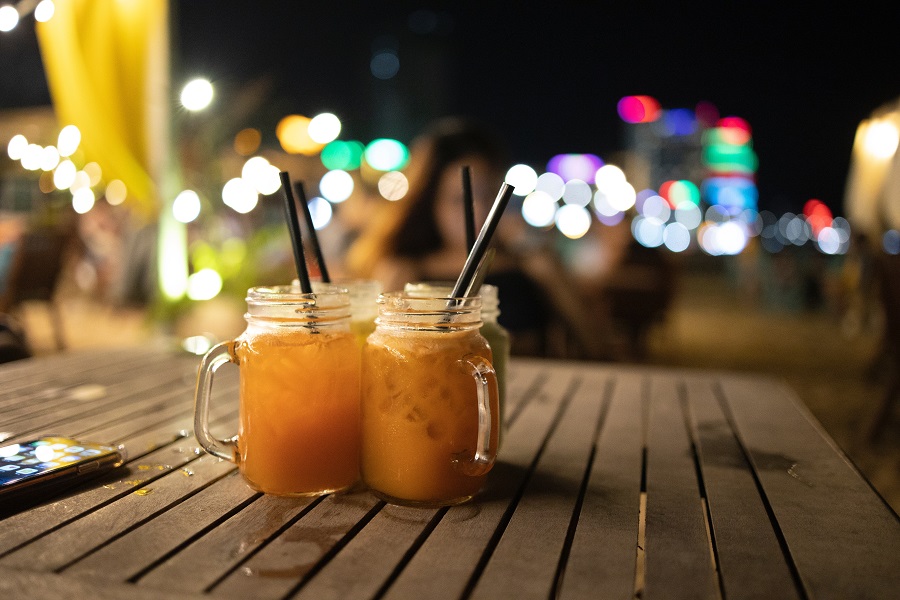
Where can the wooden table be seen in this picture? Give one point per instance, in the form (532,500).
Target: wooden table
(614,481)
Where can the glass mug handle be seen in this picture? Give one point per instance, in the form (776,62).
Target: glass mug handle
(217,356)
(485,377)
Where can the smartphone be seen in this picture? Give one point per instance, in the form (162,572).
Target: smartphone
(40,468)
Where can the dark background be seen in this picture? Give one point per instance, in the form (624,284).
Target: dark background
(546,75)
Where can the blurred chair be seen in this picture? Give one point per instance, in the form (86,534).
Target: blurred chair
(34,272)
(888,279)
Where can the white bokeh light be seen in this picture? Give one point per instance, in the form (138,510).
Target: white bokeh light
(573,221)
(676,237)
(523,179)
(64,175)
(551,184)
(321,212)
(186,206)
(197,94)
(577,192)
(31,157)
(608,175)
(239,195)
(263,176)
(324,128)
(648,231)
(539,209)
(16,147)
(116,192)
(68,140)
(9,18)
(336,186)
(83,200)
(688,214)
(49,158)
(44,11)
(393,186)
(205,284)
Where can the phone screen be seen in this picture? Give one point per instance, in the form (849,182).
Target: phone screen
(52,458)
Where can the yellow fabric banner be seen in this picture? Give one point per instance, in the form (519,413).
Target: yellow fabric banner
(106,65)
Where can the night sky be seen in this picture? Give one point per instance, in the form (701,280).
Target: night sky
(547,76)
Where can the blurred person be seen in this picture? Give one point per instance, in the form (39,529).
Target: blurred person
(422,238)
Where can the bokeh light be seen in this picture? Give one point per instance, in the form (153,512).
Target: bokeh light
(539,209)
(648,231)
(573,221)
(44,11)
(577,192)
(68,140)
(890,241)
(49,158)
(293,134)
(575,166)
(82,180)
(344,155)
(679,121)
(31,157)
(321,212)
(247,141)
(393,186)
(385,154)
(336,186)
(881,139)
(95,173)
(385,64)
(324,128)
(239,195)
(263,176)
(676,237)
(638,109)
(83,200)
(608,175)
(9,18)
(16,147)
(197,94)
(688,214)
(523,179)
(116,192)
(186,206)
(205,284)
(64,174)
(551,184)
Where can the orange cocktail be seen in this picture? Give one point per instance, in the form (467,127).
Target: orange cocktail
(299,393)
(427,385)
(299,416)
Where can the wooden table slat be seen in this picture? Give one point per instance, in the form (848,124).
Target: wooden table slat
(750,558)
(678,559)
(823,505)
(529,552)
(602,558)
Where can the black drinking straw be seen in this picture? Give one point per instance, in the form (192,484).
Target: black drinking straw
(468,207)
(311,229)
(290,211)
(476,255)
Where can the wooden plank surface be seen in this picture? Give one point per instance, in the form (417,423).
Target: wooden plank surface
(743,497)
(602,560)
(843,539)
(679,561)
(751,561)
